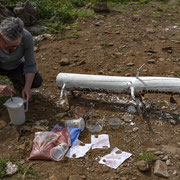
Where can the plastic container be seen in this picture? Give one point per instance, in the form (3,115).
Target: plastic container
(57,153)
(16,110)
(114,123)
(75,123)
(94,125)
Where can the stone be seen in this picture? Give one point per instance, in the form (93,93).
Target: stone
(168,162)
(160,169)
(130,64)
(11,168)
(161,59)
(151,150)
(142,165)
(135,129)
(64,62)
(151,61)
(165,158)
(170,149)
(77,177)
(2,124)
(100,7)
(127,117)
(60,115)
(150,30)
(158,153)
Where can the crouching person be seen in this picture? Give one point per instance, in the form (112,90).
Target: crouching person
(17,60)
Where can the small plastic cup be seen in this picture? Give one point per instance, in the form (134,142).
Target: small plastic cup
(57,153)
(94,125)
(75,123)
(114,123)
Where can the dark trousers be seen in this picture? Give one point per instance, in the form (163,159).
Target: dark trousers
(18,78)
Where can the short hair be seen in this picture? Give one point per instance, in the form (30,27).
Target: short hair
(11,28)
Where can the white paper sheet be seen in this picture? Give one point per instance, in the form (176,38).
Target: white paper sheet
(114,159)
(78,149)
(100,141)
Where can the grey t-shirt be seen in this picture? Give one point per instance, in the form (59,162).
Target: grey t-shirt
(24,52)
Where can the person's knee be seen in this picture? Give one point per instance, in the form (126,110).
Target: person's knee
(37,81)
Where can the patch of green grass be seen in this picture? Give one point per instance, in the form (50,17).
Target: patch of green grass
(106,44)
(131,144)
(26,172)
(3,162)
(148,157)
(72,35)
(117,23)
(159,9)
(84,14)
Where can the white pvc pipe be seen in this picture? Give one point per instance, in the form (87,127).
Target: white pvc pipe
(118,84)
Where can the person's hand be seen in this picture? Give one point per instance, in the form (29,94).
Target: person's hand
(26,94)
(6,90)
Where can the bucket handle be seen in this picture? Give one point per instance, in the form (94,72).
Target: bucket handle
(26,109)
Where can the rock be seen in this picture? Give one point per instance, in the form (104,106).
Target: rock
(81,63)
(158,153)
(130,64)
(142,165)
(64,62)
(27,12)
(168,49)
(37,29)
(135,129)
(165,158)
(127,117)
(97,24)
(77,177)
(2,124)
(136,18)
(151,61)
(60,115)
(170,149)
(56,177)
(127,74)
(161,59)
(172,121)
(131,109)
(151,150)
(150,30)
(11,168)
(168,162)
(175,172)
(160,169)
(100,7)
(100,72)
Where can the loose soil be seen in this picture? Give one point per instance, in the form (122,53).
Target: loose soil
(109,44)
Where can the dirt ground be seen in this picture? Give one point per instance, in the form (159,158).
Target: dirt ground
(110,44)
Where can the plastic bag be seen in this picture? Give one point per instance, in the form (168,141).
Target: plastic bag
(63,136)
(42,144)
(73,132)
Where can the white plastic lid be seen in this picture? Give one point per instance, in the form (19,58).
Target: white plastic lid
(16,103)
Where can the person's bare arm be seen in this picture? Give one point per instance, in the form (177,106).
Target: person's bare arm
(26,92)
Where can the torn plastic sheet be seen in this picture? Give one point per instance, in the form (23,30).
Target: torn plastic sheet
(78,149)
(100,141)
(115,158)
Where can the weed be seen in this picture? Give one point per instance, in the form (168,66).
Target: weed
(3,162)
(72,35)
(148,157)
(132,144)
(84,14)
(25,171)
(106,44)
(159,9)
